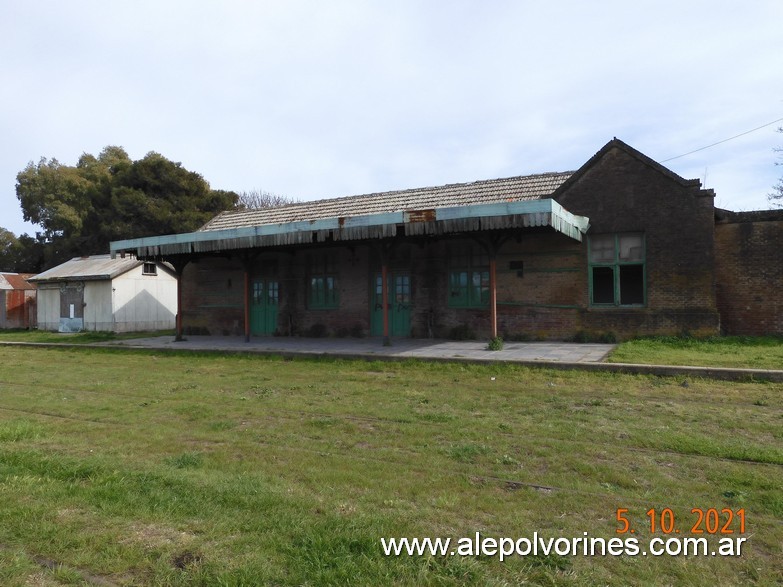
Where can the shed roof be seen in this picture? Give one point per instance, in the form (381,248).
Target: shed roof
(92,268)
(511,189)
(15,281)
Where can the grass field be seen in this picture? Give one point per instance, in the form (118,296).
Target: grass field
(128,468)
(761,352)
(747,352)
(73,337)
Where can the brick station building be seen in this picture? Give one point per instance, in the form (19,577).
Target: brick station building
(622,246)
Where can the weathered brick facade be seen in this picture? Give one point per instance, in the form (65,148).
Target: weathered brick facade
(213,298)
(749,271)
(539,301)
(647,265)
(622,191)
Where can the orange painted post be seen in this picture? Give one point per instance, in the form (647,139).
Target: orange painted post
(493,298)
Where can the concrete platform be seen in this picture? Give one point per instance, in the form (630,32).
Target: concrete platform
(403,348)
(552,355)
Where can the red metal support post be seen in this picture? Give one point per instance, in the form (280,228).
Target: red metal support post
(493,297)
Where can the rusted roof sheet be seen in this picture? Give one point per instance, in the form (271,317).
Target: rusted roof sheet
(15,281)
(88,269)
(512,189)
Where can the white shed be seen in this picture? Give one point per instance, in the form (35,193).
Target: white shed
(103,294)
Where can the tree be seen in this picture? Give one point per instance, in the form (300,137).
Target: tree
(82,208)
(256,199)
(30,255)
(776,196)
(22,254)
(9,246)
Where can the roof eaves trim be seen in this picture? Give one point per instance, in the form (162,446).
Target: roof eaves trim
(72,278)
(78,269)
(525,213)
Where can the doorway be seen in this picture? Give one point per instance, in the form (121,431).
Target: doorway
(264,300)
(399,304)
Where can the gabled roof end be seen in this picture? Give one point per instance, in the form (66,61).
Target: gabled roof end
(616,143)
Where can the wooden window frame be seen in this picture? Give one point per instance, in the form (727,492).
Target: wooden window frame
(468,280)
(616,265)
(322,283)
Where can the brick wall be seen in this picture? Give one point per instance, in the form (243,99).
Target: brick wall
(539,276)
(542,276)
(213,297)
(749,272)
(213,293)
(351,317)
(624,191)
(541,284)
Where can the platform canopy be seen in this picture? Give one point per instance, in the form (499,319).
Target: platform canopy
(419,222)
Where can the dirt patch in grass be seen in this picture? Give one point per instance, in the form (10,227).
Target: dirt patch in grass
(157,536)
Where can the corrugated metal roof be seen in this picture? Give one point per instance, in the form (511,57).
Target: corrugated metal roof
(512,189)
(15,281)
(88,269)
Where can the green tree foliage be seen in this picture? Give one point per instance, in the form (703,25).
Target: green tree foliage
(82,208)
(22,254)
(9,248)
(30,257)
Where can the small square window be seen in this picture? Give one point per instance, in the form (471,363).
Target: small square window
(150,269)
(602,249)
(631,248)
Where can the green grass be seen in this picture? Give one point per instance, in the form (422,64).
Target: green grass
(764,352)
(136,468)
(73,338)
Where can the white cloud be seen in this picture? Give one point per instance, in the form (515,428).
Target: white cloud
(313,99)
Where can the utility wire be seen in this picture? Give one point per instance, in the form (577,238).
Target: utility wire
(723,141)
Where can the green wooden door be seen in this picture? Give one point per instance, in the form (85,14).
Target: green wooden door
(399,304)
(264,298)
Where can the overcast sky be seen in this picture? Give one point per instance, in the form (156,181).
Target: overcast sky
(323,99)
